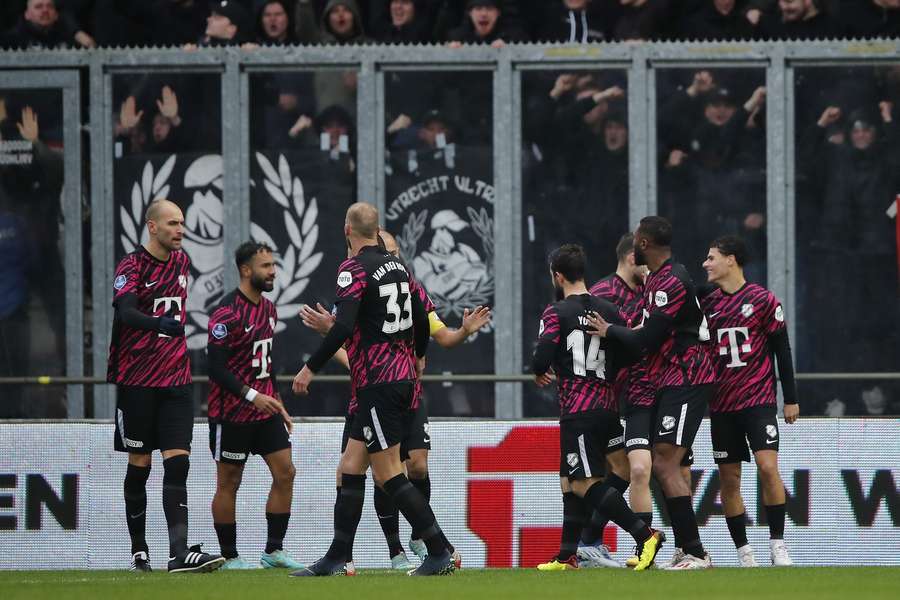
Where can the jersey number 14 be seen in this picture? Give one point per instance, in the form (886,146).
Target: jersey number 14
(594,360)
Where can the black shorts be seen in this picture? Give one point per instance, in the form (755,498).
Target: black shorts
(638,427)
(380,415)
(731,432)
(584,443)
(233,443)
(345,436)
(679,412)
(150,418)
(416,432)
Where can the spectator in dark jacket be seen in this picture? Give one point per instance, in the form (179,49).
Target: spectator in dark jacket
(797,20)
(342,23)
(871,18)
(405,22)
(228,24)
(484,24)
(576,21)
(642,20)
(150,22)
(42,26)
(717,20)
(274,26)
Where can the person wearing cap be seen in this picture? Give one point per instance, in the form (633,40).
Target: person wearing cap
(484,24)
(228,24)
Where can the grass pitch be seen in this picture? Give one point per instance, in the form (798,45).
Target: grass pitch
(756,584)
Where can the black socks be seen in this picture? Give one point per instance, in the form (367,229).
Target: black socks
(737,527)
(575,513)
(276,528)
(136,506)
(684,525)
(775,516)
(347,512)
(417,512)
(389,519)
(174,497)
(227,534)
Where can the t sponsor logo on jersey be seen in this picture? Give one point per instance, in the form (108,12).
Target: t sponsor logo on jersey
(779,314)
(668,422)
(771,431)
(234,455)
(661,298)
(747,310)
(344,279)
(120,282)
(572,459)
(219,331)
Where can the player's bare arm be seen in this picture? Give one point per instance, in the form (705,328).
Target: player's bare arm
(473,320)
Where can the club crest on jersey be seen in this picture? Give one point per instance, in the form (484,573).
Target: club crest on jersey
(272,323)
(668,422)
(120,282)
(779,314)
(661,298)
(572,459)
(182,281)
(541,328)
(219,331)
(344,279)
(747,310)
(367,433)
(771,431)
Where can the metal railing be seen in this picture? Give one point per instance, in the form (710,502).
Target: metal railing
(94,71)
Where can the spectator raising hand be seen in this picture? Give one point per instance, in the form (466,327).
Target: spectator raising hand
(168,106)
(28,126)
(129,116)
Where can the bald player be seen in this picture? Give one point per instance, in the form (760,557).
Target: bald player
(380,314)
(148,362)
(416,442)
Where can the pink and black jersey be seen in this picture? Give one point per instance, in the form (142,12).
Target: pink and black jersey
(669,294)
(244,330)
(633,382)
(585,365)
(141,357)
(381,347)
(627,300)
(741,325)
(429,308)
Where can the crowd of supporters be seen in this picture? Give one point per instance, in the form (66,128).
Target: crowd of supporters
(116,23)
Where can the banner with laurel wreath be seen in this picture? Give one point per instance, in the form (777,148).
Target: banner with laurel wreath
(297,207)
(442,213)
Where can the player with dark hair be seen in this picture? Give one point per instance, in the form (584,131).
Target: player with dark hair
(416,441)
(749,334)
(589,429)
(379,311)
(672,334)
(149,363)
(245,415)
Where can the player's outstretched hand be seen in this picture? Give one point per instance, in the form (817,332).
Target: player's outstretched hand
(267,404)
(598,323)
(171,327)
(302,381)
(791,413)
(319,319)
(475,319)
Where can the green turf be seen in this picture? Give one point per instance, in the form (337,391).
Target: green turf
(758,584)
